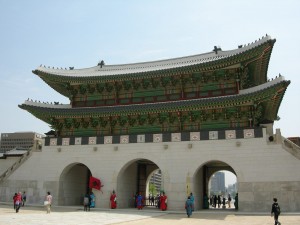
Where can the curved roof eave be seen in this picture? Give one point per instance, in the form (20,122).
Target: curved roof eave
(147,67)
(246,96)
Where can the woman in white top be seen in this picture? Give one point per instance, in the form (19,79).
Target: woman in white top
(48,202)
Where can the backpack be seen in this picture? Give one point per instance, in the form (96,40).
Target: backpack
(276,209)
(86,201)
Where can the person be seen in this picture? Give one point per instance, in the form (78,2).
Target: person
(15,199)
(163,202)
(18,201)
(113,200)
(92,200)
(223,202)
(219,201)
(205,202)
(276,211)
(139,201)
(215,201)
(86,202)
(229,201)
(189,206)
(135,199)
(152,200)
(158,201)
(23,198)
(48,202)
(192,200)
(236,201)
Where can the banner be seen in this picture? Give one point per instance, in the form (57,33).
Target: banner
(95,183)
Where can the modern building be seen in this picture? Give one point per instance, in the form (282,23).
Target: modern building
(20,141)
(156,180)
(217,183)
(189,117)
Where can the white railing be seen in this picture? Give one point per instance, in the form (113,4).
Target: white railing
(291,147)
(12,168)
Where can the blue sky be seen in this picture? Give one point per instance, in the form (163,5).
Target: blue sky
(81,33)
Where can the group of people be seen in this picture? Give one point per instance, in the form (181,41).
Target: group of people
(89,201)
(19,200)
(189,205)
(161,201)
(218,201)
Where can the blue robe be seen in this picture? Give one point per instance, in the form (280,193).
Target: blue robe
(193,201)
(189,207)
(92,200)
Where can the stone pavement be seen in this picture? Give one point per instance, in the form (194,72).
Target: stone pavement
(36,215)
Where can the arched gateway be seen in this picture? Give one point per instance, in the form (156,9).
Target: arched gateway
(187,116)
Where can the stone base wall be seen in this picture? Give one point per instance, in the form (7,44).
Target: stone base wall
(264,170)
(257,196)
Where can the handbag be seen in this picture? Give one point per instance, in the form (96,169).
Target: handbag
(46,202)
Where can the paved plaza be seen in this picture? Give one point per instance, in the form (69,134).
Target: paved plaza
(36,215)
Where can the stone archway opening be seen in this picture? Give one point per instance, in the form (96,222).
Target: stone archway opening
(73,184)
(132,179)
(201,181)
(153,188)
(222,189)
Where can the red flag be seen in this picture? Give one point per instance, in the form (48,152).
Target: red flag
(95,183)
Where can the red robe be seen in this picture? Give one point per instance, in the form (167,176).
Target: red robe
(113,201)
(163,202)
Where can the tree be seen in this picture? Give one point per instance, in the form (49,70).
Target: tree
(152,189)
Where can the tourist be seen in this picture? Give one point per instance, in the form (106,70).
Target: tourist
(219,201)
(86,202)
(158,201)
(236,201)
(92,200)
(192,200)
(23,198)
(18,201)
(48,202)
(276,211)
(215,201)
(223,202)
(139,201)
(113,200)
(229,201)
(15,199)
(152,200)
(189,206)
(163,202)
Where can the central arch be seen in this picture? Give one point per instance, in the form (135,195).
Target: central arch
(202,176)
(133,178)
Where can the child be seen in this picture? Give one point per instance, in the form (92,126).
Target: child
(86,202)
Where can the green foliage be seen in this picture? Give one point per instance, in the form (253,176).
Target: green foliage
(152,189)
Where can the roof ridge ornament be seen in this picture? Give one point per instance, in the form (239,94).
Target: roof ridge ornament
(101,63)
(216,49)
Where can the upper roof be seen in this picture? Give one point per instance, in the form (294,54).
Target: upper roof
(144,67)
